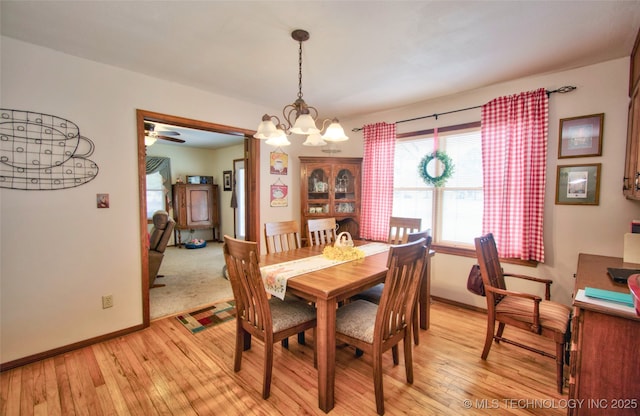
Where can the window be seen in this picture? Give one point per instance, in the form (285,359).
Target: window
(453,212)
(158,184)
(155,193)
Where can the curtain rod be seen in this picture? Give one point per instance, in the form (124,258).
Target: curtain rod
(561,90)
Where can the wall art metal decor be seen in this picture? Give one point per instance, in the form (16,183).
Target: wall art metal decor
(43,152)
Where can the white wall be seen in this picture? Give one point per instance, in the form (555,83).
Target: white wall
(60,254)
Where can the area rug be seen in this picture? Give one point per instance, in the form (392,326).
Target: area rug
(208,317)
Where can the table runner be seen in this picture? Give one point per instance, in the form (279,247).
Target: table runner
(275,276)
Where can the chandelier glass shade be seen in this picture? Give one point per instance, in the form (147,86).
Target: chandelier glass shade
(299,117)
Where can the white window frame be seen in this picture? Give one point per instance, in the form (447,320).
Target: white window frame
(150,191)
(451,247)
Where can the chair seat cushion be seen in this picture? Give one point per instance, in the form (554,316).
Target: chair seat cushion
(373,294)
(553,315)
(287,314)
(357,320)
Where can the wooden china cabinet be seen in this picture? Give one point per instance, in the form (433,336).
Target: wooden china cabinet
(631,187)
(195,207)
(330,187)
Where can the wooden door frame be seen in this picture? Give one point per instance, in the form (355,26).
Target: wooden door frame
(252,189)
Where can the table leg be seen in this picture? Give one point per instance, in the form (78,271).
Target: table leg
(326,345)
(425,296)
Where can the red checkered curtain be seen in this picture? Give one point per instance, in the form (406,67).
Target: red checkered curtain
(514,154)
(377,180)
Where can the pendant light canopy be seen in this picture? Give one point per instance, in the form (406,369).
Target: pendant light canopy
(299,117)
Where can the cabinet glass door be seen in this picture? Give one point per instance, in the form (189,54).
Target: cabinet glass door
(345,191)
(318,191)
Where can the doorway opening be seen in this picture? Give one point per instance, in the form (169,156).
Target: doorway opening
(238,200)
(250,190)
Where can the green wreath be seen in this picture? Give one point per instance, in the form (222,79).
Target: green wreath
(436,181)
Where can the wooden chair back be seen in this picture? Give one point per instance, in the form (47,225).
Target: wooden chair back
(282,236)
(424,281)
(375,293)
(252,305)
(489,260)
(399,229)
(321,231)
(398,301)
(411,237)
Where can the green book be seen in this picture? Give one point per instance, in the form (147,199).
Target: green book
(623,298)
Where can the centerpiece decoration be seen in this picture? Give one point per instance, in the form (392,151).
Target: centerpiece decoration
(343,249)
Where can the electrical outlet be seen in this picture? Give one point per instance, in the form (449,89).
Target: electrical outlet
(107,301)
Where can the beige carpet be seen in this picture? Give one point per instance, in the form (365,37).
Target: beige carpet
(192,278)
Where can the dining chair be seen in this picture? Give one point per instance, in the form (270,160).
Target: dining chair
(269,320)
(283,236)
(376,328)
(321,231)
(374,293)
(521,310)
(400,227)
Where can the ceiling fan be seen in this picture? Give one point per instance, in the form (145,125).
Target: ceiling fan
(150,132)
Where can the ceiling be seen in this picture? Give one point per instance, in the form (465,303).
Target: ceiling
(362,56)
(196,138)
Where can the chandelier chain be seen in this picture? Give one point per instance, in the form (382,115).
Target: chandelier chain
(299,118)
(300,69)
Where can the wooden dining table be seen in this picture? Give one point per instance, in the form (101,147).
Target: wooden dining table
(326,287)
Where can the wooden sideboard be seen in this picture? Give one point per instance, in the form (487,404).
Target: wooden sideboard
(631,186)
(195,207)
(605,346)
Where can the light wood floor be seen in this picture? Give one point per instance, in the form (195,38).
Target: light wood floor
(166,370)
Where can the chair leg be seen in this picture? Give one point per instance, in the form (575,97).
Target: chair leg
(491,324)
(301,340)
(500,331)
(237,356)
(394,354)
(246,341)
(408,358)
(268,367)
(285,343)
(560,366)
(416,326)
(377,382)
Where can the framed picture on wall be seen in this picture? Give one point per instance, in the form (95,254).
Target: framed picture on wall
(279,163)
(226,180)
(581,136)
(578,184)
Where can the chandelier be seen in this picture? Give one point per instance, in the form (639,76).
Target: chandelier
(299,117)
